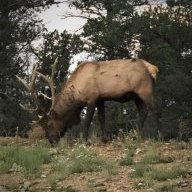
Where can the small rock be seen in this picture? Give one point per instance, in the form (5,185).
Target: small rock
(43,176)
(138,151)
(184,183)
(151,190)
(141,184)
(26,185)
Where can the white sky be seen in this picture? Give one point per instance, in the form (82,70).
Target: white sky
(53,19)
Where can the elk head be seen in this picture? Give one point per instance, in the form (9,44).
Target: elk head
(49,120)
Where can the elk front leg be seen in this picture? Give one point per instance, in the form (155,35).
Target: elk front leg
(101,117)
(89,117)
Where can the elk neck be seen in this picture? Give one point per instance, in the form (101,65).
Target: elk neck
(67,103)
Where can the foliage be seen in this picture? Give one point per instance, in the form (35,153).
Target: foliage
(165,41)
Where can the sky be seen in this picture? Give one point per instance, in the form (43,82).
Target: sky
(53,19)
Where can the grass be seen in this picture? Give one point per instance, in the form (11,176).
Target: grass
(189,158)
(150,176)
(127,160)
(140,169)
(164,174)
(180,145)
(79,160)
(66,189)
(152,157)
(159,174)
(27,160)
(167,187)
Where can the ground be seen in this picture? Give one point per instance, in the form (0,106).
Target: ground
(113,176)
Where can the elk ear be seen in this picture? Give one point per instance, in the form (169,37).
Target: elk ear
(53,114)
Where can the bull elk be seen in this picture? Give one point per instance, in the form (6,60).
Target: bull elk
(93,83)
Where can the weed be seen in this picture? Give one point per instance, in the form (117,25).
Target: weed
(167,187)
(164,173)
(139,170)
(152,157)
(127,160)
(180,145)
(189,158)
(144,183)
(28,160)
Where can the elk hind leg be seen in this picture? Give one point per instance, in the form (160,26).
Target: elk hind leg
(154,108)
(89,117)
(142,113)
(101,118)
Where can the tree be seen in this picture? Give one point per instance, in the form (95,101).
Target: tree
(19,27)
(166,41)
(108,27)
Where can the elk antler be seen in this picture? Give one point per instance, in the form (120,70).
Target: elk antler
(30,88)
(50,81)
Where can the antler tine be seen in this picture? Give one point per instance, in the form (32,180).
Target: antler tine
(31,84)
(54,68)
(50,80)
(30,87)
(28,109)
(33,77)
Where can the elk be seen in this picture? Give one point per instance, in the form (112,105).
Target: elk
(90,85)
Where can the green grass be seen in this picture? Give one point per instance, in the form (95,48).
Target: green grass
(189,158)
(152,157)
(80,159)
(167,187)
(159,174)
(164,173)
(140,170)
(27,160)
(127,160)
(149,176)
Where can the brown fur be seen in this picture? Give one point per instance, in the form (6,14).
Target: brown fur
(92,82)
